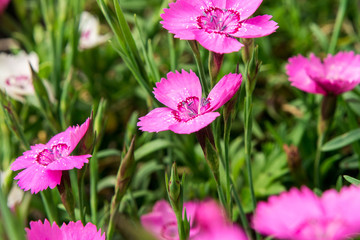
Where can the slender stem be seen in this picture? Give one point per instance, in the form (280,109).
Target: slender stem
(227,126)
(180,225)
(200,66)
(338,22)
(49,209)
(243,218)
(320,142)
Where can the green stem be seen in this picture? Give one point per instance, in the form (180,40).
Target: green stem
(200,66)
(49,208)
(180,225)
(227,126)
(320,142)
(338,22)
(243,218)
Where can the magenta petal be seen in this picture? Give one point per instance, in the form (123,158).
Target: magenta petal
(70,162)
(283,216)
(77,134)
(255,27)
(245,7)
(224,90)
(76,230)
(28,157)
(217,42)
(161,214)
(157,120)
(37,178)
(40,231)
(194,124)
(299,78)
(177,87)
(180,19)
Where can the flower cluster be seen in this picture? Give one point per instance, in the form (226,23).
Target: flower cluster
(207,221)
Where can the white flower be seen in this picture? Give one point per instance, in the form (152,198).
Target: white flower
(89,29)
(15,74)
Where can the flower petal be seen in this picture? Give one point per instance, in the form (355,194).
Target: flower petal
(76,230)
(28,157)
(256,27)
(180,18)
(38,230)
(78,133)
(37,178)
(70,162)
(217,42)
(245,7)
(284,215)
(157,120)
(195,124)
(177,87)
(224,90)
(298,76)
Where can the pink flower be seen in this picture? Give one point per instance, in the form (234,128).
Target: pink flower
(216,23)
(186,110)
(301,215)
(15,74)
(207,222)
(3,5)
(44,163)
(72,231)
(337,74)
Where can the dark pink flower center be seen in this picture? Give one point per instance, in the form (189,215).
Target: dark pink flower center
(85,34)
(20,82)
(222,21)
(169,231)
(191,108)
(48,155)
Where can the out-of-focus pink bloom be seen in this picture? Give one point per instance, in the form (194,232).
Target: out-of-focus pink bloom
(335,75)
(186,110)
(71,231)
(216,23)
(301,215)
(89,29)
(44,163)
(15,74)
(207,222)
(3,5)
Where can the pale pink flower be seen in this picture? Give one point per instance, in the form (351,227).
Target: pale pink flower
(44,163)
(71,231)
(207,222)
(186,110)
(89,28)
(302,215)
(15,74)
(3,5)
(335,75)
(216,23)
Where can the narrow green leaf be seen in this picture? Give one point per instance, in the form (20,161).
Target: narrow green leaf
(352,180)
(342,140)
(151,147)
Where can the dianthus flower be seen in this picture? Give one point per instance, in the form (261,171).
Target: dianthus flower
(186,110)
(44,163)
(89,27)
(216,23)
(207,222)
(302,215)
(15,74)
(337,74)
(71,231)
